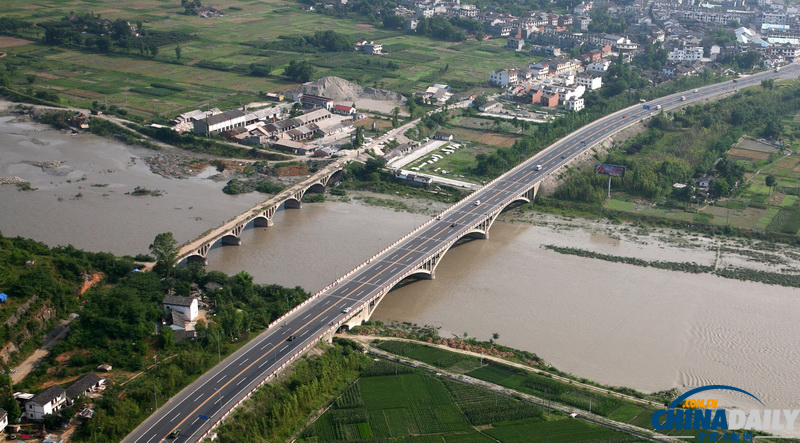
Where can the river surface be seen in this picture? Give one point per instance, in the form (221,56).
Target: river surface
(613,323)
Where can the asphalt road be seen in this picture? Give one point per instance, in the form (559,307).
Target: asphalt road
(194,409)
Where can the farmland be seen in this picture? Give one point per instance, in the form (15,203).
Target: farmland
(413,406)
(212,69)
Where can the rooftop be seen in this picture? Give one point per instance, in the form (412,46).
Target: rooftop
(47,395)
(177,300)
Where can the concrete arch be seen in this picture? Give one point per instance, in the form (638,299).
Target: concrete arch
(335,177)
(197,258)
(262,222)
(292,203)
(231,240)
(316,188)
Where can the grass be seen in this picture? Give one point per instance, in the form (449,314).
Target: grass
(554,432)
(125,79)
(433,356)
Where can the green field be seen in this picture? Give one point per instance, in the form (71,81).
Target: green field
(422,408)
(433,356)
(232,42)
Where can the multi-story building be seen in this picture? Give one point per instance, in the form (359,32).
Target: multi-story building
(589,82)
(686,54)
(47,401)
(503,77)
(574,104)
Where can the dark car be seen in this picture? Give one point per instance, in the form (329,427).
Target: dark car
(291,338)
(563,156)
(624,116)
(453,225)
(175,433)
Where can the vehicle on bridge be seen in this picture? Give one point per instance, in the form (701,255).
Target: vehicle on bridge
(453,225)
(695,91)
(477,203)
(658,107)
(346,310)
(537,168)
(175,433)
(777,68)
(291,338)
(683,98)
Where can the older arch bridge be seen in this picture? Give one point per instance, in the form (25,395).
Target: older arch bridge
(261,215)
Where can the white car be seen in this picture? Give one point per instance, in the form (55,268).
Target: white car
(537,168)
(346,310)
(477,203)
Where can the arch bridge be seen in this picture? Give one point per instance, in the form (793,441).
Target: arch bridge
(261,215)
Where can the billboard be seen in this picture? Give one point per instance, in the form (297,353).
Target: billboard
(606,169)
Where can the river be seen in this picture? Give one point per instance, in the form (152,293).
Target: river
(616,324)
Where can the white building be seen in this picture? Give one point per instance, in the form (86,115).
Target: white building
(574,104)
(185,305)
(223,121)
(589,82)
(599,67)
(47,401)
(503,77)
(3,420)
(687,54)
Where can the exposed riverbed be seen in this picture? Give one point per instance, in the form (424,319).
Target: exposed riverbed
(618,324)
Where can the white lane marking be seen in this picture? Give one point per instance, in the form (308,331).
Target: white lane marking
(304,333)
(307,315)
(176,416)
(327,300)
(284,348)
(240,381)
(195,421)
(199,397)
(378,280)
(263,364)
(148,440)
(222,378)
(244,361)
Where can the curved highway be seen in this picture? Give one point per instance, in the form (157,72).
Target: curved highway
(198,407)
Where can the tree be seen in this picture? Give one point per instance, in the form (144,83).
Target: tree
(358,140)
(770,181)
(153,49)
(167,338)
(480,101)
(103,44)
(395,112)
(178,52)
(164,250)
(299,71)
(393,21)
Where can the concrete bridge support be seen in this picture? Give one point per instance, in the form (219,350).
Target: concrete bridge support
(200,255)
(265,218)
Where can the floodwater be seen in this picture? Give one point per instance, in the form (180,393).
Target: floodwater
(617,324)
(67,209)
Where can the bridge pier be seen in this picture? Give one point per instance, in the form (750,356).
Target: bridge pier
(197,259)
(293,204)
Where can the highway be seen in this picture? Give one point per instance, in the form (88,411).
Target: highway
(195,409)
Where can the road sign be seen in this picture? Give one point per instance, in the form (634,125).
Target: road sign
(204,417)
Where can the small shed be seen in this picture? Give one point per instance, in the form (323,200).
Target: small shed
(3,297)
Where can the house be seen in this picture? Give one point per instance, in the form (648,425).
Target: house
(705,181)
(515,44)
(443,136)
(574,104)
(324,152)
(178,321)
(185,305)
(343,110)
(589,82)
(598,67)
(503,77)
(687,54)
(316,101)
(105,367)
(85,384)
(413,178)
(3,420)
(550,99)
(47,401)
(582,22)
(369,47)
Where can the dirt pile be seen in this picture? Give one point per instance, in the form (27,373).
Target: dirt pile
(345,92)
